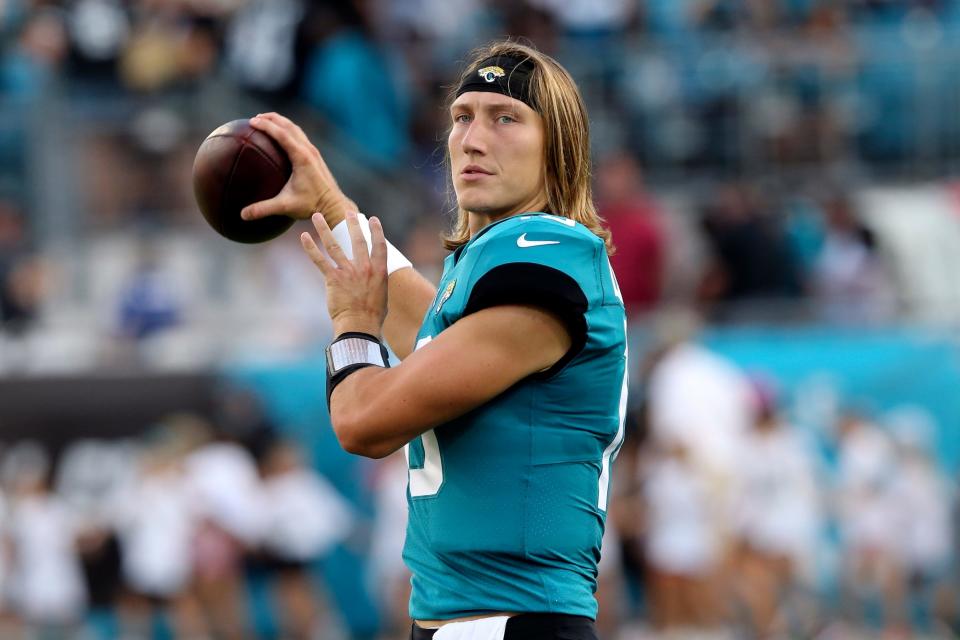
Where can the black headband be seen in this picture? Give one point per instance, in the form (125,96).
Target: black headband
(501,74)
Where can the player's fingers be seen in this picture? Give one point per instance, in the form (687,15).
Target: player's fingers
(286,123)
(361,254)
(276,205)
(378,255)
(293,141)
(334,250)
(316,255)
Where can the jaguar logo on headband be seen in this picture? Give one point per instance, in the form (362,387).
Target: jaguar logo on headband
(491,73)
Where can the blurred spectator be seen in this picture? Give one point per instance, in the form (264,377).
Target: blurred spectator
(594,43)
(633,217)
(303,519)
(369,107)
(776,518)
(223,476)
(101,560)
(710,429)
(925,500)
(99,30)
(534,21)
(27,70)
(156,522)
(849,278)
(429,20)
(752,258)
(149,302)
(388,577)
(91,476)
(680,541)
(21,273)
(47,587)
(868,517)
(262,46)
(696,448)
(169,50)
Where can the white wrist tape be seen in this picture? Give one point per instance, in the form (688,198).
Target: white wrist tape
(395,259)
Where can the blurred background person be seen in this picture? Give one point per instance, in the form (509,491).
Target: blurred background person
(148,303)
(776,520)
(388,576)
(850,282)
(46,585)
(868,515)
(303,518)
(702,440)
(926,500)
(682,548)
(223,479)
(22,278)
(157,522)
(634,218)
(752,260)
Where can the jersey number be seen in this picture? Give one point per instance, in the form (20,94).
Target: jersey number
(426,480)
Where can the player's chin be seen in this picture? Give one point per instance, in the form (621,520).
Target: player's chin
(473,200)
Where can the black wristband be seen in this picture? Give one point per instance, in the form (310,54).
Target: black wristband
(356,351)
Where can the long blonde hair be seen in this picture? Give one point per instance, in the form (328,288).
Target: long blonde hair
(566,132)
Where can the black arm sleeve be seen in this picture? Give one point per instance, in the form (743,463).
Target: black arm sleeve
(540,286)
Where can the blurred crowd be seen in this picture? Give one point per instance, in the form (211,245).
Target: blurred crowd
(668,78)
(757,124)
(732,519)
(728,519)
(744,253)
(162,536)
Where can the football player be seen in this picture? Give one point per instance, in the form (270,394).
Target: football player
(510,396)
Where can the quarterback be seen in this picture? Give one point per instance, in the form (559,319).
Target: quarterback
(510,395)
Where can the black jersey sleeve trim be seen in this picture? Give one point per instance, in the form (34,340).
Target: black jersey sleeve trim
(541,286)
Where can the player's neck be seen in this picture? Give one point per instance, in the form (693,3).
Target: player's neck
(478,220)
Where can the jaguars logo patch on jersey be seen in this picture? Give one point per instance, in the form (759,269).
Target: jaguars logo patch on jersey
(447,292)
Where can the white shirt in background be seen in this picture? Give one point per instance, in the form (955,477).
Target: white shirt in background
(926,528)
(303,515)
(680,537)
(868,508)
(778,506)
(156,524)
(47,583)
(703,401)
(224,479)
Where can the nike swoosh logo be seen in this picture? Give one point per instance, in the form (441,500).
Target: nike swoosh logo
(523,243)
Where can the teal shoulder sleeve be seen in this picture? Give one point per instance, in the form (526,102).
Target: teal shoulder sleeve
(541,263)
(549,241)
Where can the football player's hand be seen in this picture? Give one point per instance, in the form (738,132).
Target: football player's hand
(311,186)
(356,289)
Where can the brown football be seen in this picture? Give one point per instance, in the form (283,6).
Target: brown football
(237,165)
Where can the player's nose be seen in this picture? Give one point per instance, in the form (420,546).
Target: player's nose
(474,139)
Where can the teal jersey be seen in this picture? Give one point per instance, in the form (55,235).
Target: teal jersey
(507,503)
